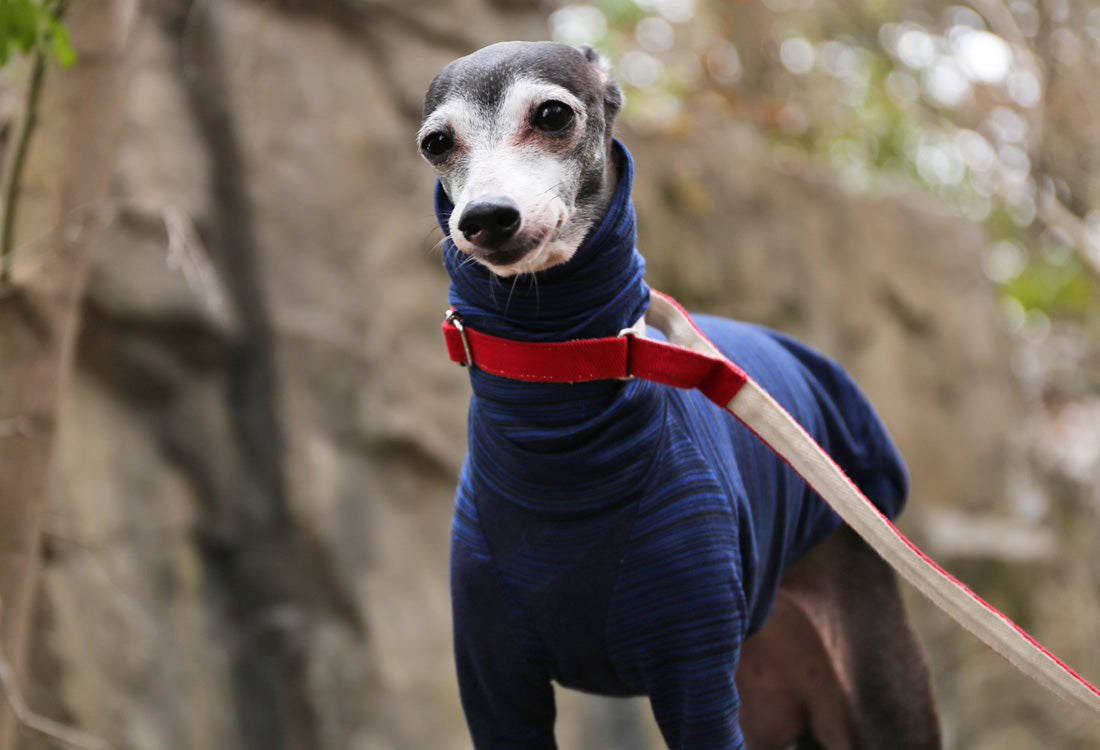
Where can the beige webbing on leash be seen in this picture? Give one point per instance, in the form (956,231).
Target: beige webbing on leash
(771,423)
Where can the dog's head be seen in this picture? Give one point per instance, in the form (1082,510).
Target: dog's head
(520,136)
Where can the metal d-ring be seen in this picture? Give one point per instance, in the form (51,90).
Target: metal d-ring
(455,319)
(629,333)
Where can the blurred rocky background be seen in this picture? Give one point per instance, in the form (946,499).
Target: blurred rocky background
(245,540)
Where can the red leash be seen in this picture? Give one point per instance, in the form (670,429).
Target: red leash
(690,360)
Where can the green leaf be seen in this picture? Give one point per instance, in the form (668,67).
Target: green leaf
(1065,289)
(34,25)
(61,45)
(24,27)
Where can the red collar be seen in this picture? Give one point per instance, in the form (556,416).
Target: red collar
(627,355)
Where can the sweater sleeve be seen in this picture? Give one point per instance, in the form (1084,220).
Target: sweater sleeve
(678,615)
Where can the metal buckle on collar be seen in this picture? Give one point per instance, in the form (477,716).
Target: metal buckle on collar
(638,329)
(455,319)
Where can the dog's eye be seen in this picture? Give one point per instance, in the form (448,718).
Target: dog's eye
(437,144)
(552,117)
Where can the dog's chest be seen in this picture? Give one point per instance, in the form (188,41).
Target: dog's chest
(656,545)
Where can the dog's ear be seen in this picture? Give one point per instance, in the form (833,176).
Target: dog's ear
(593,55)
(613,97)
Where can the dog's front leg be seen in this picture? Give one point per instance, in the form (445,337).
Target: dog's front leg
(508,701)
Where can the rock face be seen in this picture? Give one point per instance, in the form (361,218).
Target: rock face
(248,541)
(888,285)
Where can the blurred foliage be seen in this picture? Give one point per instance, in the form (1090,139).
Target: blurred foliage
(948,97)
(35,25)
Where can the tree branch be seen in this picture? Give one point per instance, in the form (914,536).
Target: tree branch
(81,119)
(19,159)
(22,146)
(37,722)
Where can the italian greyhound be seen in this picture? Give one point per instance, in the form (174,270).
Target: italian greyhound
(626,538)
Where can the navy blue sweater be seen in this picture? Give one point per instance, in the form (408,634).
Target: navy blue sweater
(625,537)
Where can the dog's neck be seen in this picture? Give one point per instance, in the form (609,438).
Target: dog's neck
(598,292)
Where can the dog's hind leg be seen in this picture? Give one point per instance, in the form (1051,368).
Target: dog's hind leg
(852,598)
(790,687)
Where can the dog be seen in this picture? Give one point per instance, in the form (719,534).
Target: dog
(626,538)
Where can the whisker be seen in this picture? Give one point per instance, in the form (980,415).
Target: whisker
(535,286)
(511,291)
(438,244)
(494,282)
(555,186)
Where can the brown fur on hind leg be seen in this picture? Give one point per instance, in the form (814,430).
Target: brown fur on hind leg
(838,666)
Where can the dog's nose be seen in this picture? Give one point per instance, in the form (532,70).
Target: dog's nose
(490,223)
